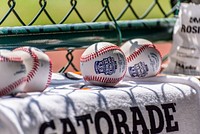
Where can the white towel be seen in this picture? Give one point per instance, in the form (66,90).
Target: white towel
(162,104)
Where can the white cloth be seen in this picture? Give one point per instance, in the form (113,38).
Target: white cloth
(162,104)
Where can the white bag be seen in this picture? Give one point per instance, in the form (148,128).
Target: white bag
(184,57)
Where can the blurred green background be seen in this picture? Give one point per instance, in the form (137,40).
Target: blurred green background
(57,9)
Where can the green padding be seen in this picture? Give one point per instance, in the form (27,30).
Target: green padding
(50,37)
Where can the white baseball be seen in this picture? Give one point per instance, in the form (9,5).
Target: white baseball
(143,59)
(39,68)
(12,74)
(103,63)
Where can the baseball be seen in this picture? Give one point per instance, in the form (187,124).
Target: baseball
(39,68)
(103,64)
(143,59)
(13,73)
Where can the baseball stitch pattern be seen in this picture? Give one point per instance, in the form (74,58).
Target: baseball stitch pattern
(10,59)
(138,52)
(102,79)
(98,53)
(49,75)
(11,87)
(36,63)
(93,56)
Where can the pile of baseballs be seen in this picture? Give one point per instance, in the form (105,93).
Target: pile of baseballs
(24,69)
(106,64)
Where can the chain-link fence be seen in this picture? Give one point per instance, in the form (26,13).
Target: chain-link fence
(28,12)
(74,24)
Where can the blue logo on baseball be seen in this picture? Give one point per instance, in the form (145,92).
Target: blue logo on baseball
(138,70)
(107,66)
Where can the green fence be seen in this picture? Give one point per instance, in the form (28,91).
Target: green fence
(73,24)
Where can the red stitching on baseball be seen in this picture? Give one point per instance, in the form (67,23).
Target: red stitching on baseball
(102,79)
(98,53)
(49,75)
(35,67)
(10,59)
(138,52)
(9,88)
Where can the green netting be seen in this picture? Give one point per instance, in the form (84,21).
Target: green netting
(74,24)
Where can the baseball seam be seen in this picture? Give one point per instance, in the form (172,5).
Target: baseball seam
(138,52)
(98,53)
(49,75)
(102,79)
(35,67)
(95,55)
(10,59)
(11,87)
